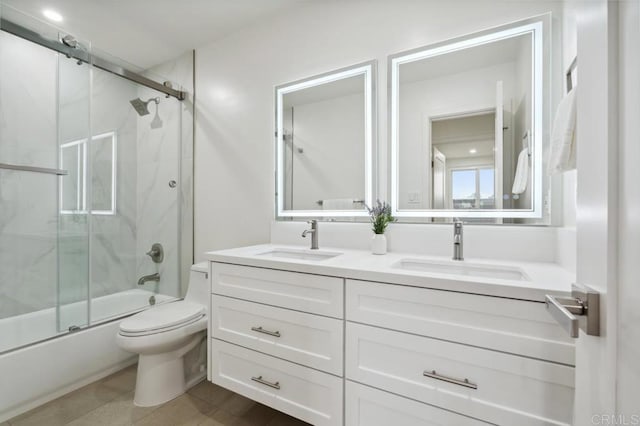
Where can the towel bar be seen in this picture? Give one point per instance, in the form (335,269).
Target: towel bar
(47,170)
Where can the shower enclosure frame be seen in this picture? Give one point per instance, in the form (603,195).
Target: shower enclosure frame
(70,358)
(77,52)
(89,58)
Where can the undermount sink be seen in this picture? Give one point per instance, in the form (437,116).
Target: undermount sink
(299,254)
(463,268)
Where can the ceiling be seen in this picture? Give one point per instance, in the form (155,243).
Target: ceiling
(335,89)
(148,32)
(481,56)
(465,137)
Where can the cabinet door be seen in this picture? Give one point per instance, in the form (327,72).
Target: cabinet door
(316,294)
(311,340)
(301,392)
(492,386)
(366,406)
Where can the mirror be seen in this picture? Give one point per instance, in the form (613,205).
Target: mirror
(467,125)
(324,144)
(73,157)
(101,155)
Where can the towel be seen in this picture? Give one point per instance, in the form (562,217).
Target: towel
(562,155)
(522,172)
(337,204)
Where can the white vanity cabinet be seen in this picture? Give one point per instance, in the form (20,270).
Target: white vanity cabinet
(368,406)
(500,360)
(334,350)
(277,337)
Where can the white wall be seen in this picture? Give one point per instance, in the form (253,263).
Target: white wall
(564,199)
(522,123)
(331,134)
(569,52)
(419,101)
(235,79)
(629,212)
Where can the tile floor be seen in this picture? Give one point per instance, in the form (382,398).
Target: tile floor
(109,402)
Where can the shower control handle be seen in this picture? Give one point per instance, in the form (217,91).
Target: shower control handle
(156,253)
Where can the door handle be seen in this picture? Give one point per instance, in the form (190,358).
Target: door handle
(580,311)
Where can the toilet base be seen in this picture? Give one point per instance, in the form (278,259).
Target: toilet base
(161,377)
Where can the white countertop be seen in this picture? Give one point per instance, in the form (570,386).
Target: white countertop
(544,278)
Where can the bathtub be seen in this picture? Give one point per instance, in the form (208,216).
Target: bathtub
(40,372)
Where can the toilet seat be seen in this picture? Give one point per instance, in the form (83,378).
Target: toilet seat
(162,318)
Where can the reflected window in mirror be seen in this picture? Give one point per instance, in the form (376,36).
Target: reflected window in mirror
(324,144)
(100,155)
(73,195)
(467,119)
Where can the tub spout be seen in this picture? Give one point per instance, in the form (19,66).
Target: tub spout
(153,277)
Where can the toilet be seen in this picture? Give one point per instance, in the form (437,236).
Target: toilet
(170,340)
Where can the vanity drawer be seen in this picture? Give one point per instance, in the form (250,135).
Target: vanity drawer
(306,339)
(365,406)
(316,294)
(301,392)
(502,389)
(508,325)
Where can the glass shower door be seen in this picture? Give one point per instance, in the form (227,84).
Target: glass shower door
(90,168)
(132,159)
(33,261)
(74,194)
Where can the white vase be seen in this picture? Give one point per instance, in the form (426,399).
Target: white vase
(379,244)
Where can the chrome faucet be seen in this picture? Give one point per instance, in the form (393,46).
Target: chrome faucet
(153,277)
(314,234)
(458,241)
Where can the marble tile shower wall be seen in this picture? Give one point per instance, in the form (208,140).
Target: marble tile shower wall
(165,214)
(113,255)
(148,210)
(28,254)
(181,71)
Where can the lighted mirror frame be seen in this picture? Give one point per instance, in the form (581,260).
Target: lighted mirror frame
(366,69)
(81,169)
(540,28)
(81,195)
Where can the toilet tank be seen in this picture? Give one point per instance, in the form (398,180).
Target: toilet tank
(198,290)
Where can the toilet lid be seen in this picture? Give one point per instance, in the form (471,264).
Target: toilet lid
(164,316)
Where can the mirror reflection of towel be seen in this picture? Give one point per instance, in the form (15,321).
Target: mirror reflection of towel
(522,173)
(337,204)
(562,155)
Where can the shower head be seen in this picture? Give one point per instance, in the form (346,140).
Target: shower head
(142,107)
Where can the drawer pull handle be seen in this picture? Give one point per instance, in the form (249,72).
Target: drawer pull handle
(263,331)
(466,383)
(262,381)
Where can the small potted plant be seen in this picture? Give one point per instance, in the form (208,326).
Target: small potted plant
(380,218)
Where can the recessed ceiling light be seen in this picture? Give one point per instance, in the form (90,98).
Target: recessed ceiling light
(52,15)
(472,151)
